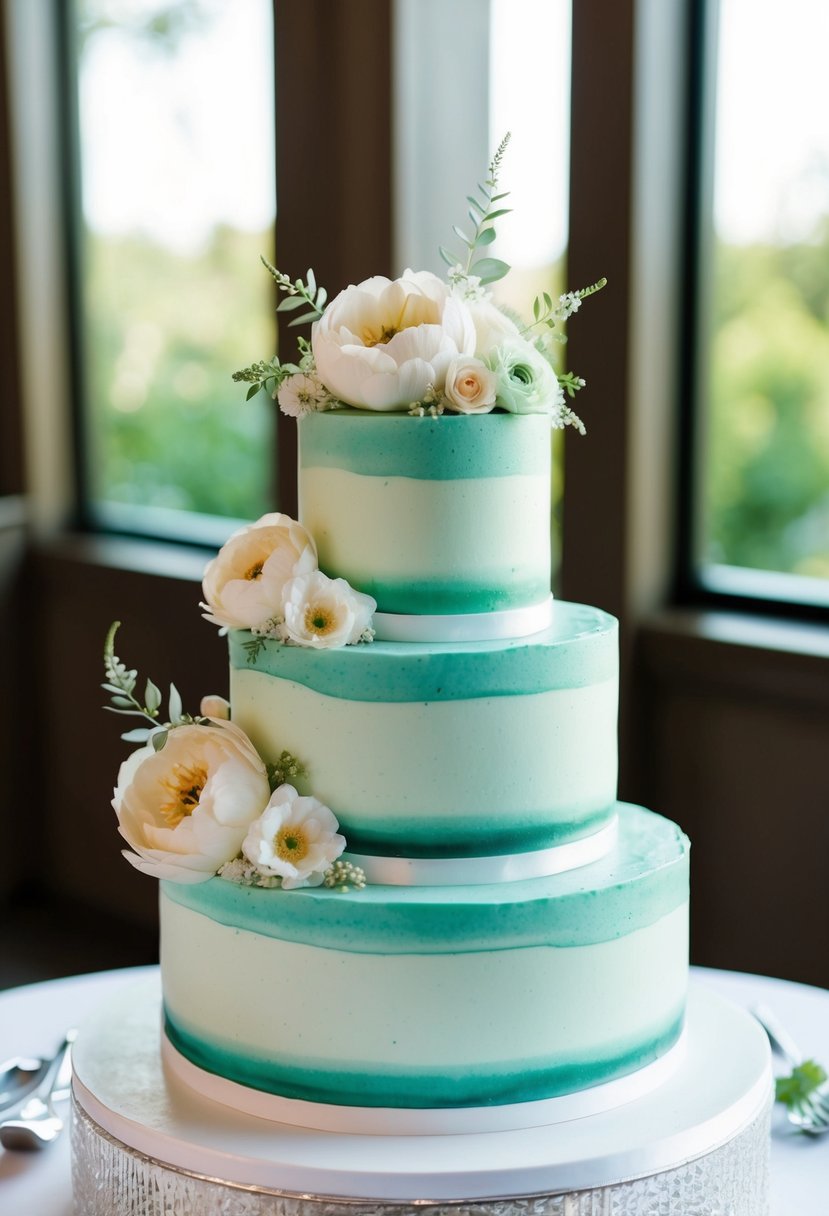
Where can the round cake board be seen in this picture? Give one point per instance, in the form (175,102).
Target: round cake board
(719,1087)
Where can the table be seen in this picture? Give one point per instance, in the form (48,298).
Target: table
(33,1018)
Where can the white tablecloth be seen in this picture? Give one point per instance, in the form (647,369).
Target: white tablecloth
(33,1018)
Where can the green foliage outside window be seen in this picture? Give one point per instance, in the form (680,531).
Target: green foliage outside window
(767,470)
(164,330)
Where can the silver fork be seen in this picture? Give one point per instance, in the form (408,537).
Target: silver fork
(37,1123)
(811,1113)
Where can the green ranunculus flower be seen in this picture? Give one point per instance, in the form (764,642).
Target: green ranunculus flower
(525,381)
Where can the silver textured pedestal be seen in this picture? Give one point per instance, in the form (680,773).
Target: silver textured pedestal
(145,1145)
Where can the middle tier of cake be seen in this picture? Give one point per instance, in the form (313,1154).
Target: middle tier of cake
(446,750)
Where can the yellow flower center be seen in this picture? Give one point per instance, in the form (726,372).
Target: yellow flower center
(184,786)
(290,843)
(255,571)
(319,619)
(372,338)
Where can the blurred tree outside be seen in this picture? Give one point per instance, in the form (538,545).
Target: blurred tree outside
(168,427)
(767,470)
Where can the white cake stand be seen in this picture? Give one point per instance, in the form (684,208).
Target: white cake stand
(146,1145)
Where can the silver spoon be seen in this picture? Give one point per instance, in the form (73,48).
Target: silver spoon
(17,1076)
(811,1113)
(37,1123)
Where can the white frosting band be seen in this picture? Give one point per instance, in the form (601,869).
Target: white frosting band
(464,627)
(396,1121)
(469,871)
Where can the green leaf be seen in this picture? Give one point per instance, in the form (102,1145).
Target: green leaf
(322,296)
(290,302)
(489,270)
(804,1079)
(122,702)
(474,202)
(306,316)
(159,739)
(536,308)
(252,391)
(496,215)
(174,704)
(485,237)
(139,735)
(311,282)
(447,256)
(460,232)
(152,696)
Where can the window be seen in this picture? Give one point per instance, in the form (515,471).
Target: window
(175,165)
(763,483)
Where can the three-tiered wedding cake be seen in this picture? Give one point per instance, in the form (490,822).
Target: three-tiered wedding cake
(522,936)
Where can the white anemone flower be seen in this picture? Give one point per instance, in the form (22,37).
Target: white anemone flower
(324,612)
(295,838)
(380,345)
(244,583)
(186,809)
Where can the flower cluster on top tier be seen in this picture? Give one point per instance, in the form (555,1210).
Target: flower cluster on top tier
(422,345)
(198,800)
(265,578)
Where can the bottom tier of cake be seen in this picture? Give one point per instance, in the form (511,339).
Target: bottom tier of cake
(435,998)
(143,1143)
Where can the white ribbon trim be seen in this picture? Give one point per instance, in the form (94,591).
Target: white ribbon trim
(464,627)
(470,871)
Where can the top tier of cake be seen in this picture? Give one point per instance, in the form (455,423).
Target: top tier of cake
(431,516)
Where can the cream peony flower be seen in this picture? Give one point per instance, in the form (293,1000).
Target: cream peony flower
(526,383)
(295,838)
(243,584)
(185,810)
(470,386)
(492,327)
(381,344)
(325,612)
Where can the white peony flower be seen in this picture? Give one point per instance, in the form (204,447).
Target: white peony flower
(300,395)
(185,810)
(526,383)
(470,386)
(243,585)
(492,327)
(325,612)
(214,706)
(295,838)
(381,344)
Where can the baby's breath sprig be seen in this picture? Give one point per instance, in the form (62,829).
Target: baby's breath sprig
(549,313)
(285,770)
(343,875)
(482,214)
(120,683)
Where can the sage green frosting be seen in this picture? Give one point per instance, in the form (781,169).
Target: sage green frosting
(360,1083)
(451,448)
(579,649)
(642,880)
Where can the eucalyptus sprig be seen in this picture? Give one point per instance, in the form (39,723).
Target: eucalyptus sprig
(482,214)
(297,293)
(121,682)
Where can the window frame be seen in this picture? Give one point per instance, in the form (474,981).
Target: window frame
(709,585)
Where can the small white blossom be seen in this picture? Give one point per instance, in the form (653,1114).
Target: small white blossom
(324,612)
(300,395)
(295,839)
(568,304)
